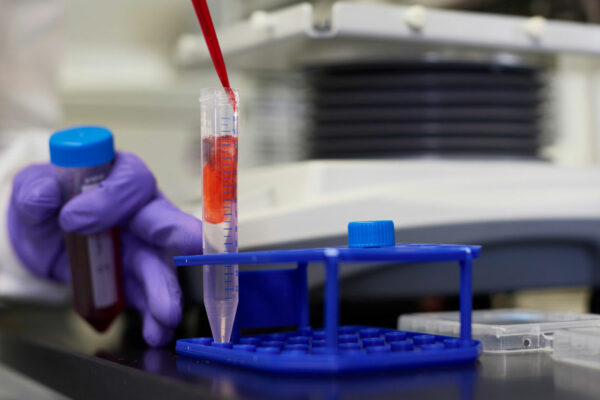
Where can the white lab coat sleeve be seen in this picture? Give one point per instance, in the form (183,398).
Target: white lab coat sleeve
(30,46)
(16,282)
(30,49)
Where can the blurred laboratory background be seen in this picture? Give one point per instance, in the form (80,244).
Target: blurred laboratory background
(131,66)
(466,121)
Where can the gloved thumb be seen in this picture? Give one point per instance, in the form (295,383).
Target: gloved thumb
(117,198)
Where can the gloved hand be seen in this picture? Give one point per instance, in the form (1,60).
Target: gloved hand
(151,229)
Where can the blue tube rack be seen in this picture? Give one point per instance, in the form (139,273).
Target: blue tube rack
(279,298)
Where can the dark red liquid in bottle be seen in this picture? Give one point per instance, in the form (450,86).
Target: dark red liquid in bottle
(96,277)
(219,174)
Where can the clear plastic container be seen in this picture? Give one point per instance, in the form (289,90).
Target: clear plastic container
(83,157)
(219,129)
(579,346)
(502,330)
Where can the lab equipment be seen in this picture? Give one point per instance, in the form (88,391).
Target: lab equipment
(503,330)
(83,158)
(278,298)
(219,130)
(465,91)
(219,110)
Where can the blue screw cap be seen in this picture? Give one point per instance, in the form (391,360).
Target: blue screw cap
(371,234)
(82,146)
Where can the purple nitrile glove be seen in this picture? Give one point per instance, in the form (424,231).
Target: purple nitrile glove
(151,229)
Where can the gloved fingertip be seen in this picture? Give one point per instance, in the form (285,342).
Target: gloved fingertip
(135,296)
(60,270)
(158,279)
(72,218)
(155,334)
(131,180)
(164,225)
(38,199)
(66,220)
(188,239)
(167,310)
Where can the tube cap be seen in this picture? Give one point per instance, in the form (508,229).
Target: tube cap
(82,146)
(371,234)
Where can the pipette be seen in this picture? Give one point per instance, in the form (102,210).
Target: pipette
(212,42)
(219,129)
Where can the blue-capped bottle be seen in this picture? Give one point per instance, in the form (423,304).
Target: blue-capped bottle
(83,157)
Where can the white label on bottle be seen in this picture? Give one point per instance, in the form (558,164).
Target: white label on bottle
(102,265)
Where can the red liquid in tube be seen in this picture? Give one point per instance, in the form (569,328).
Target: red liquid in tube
(219,174)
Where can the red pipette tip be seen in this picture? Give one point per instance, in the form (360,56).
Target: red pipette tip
(212,42)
